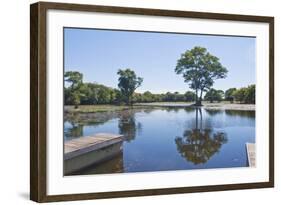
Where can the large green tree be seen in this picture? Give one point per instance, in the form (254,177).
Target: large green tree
(200,69)
(128,83)
(76,82)
(74,78)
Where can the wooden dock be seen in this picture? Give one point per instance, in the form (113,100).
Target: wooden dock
(251,154)
(86,151)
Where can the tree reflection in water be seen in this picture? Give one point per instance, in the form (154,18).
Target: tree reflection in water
(127,125)
(75,130)
(198,145)
(77,121)
(213,112)
(239,113)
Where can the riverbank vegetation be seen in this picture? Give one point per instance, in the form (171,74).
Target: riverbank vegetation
(244,95)
(97,94)
(198,67)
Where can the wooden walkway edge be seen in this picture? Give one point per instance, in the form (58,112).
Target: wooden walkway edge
(89,150)
(251,154)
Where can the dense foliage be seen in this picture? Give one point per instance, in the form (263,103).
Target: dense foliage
(200,69)
(73,94)
(229,94)
(214,95)
(245,95)
(240,95)
(167,97)
(128,83)
(93,93)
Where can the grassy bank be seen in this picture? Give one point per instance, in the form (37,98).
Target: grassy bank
(114,108)
(94,108)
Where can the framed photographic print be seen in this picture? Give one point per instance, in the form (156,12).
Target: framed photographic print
(134,102)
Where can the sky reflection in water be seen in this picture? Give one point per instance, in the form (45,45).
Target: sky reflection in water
(170,138)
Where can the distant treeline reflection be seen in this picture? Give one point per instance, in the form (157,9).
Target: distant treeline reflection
(200,140)
(126,119)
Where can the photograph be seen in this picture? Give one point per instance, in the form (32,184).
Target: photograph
(141,101)
(136,101)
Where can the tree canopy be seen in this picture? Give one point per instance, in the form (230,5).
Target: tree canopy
(73,94)
(128,83)
(245,94)
(229,94)
(200,69)
(214,95)
(94,94)
(73,77)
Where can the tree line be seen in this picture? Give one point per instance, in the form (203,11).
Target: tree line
(197,66)
(240,95)
(79,93)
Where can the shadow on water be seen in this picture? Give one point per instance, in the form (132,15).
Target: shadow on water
(213,112)
(198,145)
(241,113)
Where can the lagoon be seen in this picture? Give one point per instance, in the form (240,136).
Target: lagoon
(169,138)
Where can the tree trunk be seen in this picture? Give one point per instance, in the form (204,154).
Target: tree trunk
(196,97)
(200,112)
(128,100)
(198,100)
(131,101)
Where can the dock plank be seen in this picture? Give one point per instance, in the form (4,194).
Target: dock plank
(90,150)
(81,145)
(251,154)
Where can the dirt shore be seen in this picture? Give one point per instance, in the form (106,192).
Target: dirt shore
(206,105)
(229,106)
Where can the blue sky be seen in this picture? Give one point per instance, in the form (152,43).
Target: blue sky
(98,54)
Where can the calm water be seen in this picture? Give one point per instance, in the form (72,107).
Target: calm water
(170,139)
